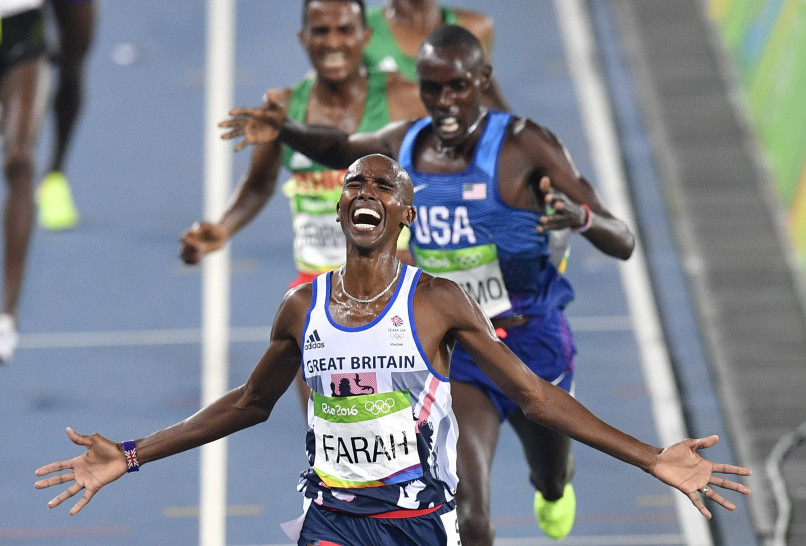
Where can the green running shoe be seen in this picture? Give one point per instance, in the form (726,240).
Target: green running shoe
(56,209)
(556,518)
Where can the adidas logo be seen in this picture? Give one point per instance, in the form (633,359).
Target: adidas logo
(314,342)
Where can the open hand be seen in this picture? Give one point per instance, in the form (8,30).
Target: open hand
(683,468)
(103,463)
(256,125)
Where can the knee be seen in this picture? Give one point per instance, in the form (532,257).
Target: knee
(18,169)
(475,524)
(475,529)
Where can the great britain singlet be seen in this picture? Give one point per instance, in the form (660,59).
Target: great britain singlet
(381,432)
(314,189)
(382,53)
(465,231)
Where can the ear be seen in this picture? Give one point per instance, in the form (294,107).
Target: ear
(486,77)
(367,37)
(409,215)
(302,36)
(338,218)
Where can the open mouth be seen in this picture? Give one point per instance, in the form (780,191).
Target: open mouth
(334,59)
(366,219)
(448,125)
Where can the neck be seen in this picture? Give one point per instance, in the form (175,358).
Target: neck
(344,91)
(369,280)
(423,13)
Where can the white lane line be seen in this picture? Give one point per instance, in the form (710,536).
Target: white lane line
(245,334)
(220,59)
(577,34)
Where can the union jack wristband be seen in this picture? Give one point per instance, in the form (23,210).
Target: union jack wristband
(131,456)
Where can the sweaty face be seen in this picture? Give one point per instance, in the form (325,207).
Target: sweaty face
(334,38)
(372,201)
(451,81)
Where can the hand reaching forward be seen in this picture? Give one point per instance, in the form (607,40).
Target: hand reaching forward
(256,125)
(103,463)
(199,240)
(681,467)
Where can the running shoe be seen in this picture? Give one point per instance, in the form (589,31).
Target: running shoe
(8,338)
(56,209)
(556,518)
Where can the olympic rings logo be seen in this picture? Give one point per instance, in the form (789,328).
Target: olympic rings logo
(397,336)
(469,260)
(379,406)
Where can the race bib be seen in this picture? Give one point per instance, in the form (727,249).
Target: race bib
(476,269)
(365,440)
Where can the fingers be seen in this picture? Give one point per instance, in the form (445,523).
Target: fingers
(728,484)
(64,495)
(82,502)
(54,480)
(723,468)
(695,500)
(704,443)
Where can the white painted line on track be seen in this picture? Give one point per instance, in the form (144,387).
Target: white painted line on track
(245,334)
(219,83)
(577,35)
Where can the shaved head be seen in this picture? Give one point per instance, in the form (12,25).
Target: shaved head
(386,167)
(450,37)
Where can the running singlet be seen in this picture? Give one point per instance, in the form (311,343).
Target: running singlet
(314,189)
(382,53)
(466,232)
(381,432)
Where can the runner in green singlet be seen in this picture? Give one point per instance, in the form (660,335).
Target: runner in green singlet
(400,26)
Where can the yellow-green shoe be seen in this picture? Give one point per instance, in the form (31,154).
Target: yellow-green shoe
(556,518)
(56,209)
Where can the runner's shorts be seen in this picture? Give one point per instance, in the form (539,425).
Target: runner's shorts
(324,527)
(22,39)
(545,344)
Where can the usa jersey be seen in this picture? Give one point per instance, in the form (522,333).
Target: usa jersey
(465,231)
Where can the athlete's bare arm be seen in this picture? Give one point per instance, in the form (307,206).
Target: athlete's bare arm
(253,192)
(534,164)
(442,308)
(327,145)
(243,407)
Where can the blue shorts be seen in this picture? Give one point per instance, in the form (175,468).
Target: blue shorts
(546,346)
(323,527)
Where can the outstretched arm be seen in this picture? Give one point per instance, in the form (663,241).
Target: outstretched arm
(254,190)
(327,145)
(104,461)
(448,307)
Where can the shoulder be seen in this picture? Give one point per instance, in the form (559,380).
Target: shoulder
(532,137)
(290,318)
(404,97)
(480,25)
(442,297)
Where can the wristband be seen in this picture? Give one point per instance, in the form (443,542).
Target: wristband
(131,456)
(588,220)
